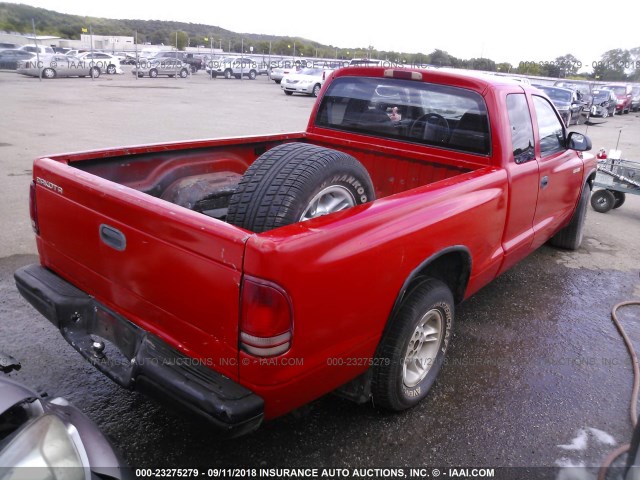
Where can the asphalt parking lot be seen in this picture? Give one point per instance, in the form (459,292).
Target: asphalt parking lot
(535,362)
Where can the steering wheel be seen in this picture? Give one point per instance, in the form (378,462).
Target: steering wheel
(435,128)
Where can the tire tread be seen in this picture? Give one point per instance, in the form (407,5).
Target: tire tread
(272,186)
(392,344)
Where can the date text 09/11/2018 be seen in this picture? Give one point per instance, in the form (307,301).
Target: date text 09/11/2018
(326,473)
(579,64)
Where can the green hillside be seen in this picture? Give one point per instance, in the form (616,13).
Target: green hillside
(17,18)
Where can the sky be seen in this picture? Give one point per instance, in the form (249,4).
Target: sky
(532,31)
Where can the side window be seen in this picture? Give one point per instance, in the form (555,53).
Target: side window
(549,127)
(521,128)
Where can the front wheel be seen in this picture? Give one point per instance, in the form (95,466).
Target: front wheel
(316,90)
(153,73)
(570,237)
(413,348)
(48,73)
(111,69)
(287,92)
(602,201)
(252,75)
(228,74)
(184,73)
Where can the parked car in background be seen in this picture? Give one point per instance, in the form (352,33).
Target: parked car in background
(235,67)
(635,98)
(39,49)
(9,59)
(566,101)
(195,62)
(126,58)
(48,438)
(277,73)
(5,45)
(308,81)
(170,67)
(583,90)
(58,66)
(104,61)
(604,103)
(623,95)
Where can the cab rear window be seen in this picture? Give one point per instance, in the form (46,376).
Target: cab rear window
(437,115)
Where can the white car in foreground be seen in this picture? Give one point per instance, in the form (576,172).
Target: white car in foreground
(308,81)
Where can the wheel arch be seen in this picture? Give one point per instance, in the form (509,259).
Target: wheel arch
(452,266)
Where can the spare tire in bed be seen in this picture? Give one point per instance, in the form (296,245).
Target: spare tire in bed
(293,182)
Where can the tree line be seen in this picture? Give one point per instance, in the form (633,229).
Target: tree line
(614,65)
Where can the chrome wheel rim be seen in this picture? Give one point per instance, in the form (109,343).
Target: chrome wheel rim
(329,200)
(423,348)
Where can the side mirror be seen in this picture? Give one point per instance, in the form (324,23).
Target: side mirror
(579,142)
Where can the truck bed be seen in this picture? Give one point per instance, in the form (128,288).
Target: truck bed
(202,177)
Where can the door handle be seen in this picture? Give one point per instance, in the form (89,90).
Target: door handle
(113,237)
(544,182)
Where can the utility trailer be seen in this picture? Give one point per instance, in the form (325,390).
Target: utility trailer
(616,177)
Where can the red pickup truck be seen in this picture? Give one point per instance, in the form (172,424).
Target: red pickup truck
(243,278)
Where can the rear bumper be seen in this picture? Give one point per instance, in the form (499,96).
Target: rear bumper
(136,359)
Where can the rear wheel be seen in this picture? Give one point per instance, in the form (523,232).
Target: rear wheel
(294,182)
(95,72)
(316,90)
(619,198)
(602,201)
(228,73)
(252,75)
(153,73)
(413,348)
(111,69)
(184,73)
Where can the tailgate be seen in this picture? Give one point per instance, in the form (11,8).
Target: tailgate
(174,272)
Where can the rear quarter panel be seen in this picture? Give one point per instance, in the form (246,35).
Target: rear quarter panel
(344,272)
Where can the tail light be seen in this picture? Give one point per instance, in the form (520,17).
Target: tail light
(266,322)
(33,208)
